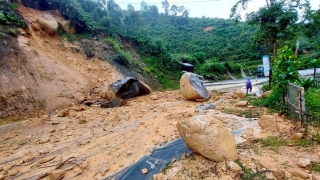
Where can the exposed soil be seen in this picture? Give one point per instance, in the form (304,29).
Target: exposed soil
(94,143)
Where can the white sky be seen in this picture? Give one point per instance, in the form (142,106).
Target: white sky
(208,8)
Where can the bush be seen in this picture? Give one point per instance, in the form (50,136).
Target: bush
(114,43)
(214,67)
(265,87)
(312,103)
(274,100)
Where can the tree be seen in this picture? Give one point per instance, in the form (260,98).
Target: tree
(277,21)
(130,8)
(166,5)
(114,13)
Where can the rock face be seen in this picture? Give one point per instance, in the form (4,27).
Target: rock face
(192,88)
(49,24)
(268,123)
(209,137)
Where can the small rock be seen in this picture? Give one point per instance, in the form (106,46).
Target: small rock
(55,122)
(28,158)
(235,169)
(44,151)
(266,94)
(129,153)
(46,159)
(304,162)
(63,127)
(298,173)
(315,177)
(84,166)
(242,103)
(70,133)
(63,113)
(144,171)
(1,168)
(142,123)
(52,130)
(250,106)
(279,174)
(44,140)
(57,174)
(154,97)
(297,136)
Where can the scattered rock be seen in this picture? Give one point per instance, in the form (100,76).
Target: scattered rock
(84,165)
(209,137)
(55,122)
(278,174)
(315,177)
(268,123)
(44,151)
(266,94)
(303,162)
(63,113)
(70,133)
(206,106)
(154,97)
(44,140)
(234,169)
(242,103)
(298,173)
(144,171)
(57,174)
(28,158)
(267,162)
(248,134)
(46,159)
(238,94)
(296,136)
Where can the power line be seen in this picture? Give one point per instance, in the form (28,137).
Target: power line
(194,1)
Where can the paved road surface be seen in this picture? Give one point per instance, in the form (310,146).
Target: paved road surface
(238,83)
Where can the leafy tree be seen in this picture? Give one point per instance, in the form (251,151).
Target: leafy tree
(275,22)
(166,6)
(130,8)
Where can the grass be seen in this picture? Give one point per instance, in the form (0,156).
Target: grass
(273,142)
(248,113)
(315,166)
(249,174)
(166,167)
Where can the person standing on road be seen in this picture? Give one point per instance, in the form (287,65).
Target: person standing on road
(248,85)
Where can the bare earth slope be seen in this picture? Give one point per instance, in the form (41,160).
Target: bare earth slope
(43,73)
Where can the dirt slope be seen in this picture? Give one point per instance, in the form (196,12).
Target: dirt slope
(42,73)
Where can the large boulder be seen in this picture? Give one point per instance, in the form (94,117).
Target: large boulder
(192,88)
(129,87)
(49,24)
(68,27)
(209,137)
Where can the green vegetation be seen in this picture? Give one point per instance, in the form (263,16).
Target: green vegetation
(10,16)
(273,142)
(315,166)
(249,174)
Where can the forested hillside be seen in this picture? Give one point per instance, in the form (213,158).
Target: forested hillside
(216,47)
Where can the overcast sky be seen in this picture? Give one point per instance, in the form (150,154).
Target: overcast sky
(208,8)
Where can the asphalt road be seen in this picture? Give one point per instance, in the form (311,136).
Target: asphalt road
(238,83)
